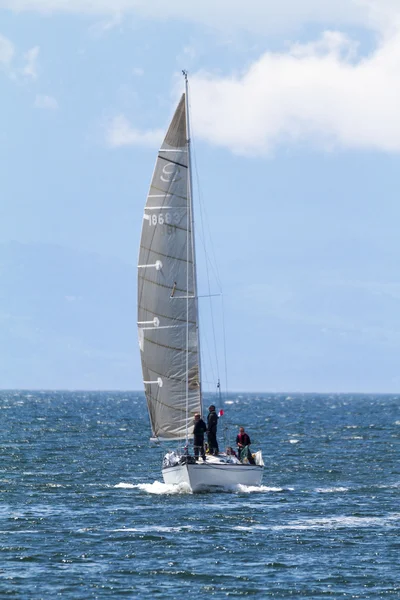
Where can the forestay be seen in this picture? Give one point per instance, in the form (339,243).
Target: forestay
(167,298)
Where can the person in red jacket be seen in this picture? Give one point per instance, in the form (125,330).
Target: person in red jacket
(243,442)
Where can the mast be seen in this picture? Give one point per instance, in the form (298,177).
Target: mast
(193,247)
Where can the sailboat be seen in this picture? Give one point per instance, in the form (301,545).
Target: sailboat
(168,318)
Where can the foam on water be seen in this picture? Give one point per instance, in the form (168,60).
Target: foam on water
(262,489)
(160,488)
(157,487)
(331,490)
(153,529)
(125,485)
(340,522)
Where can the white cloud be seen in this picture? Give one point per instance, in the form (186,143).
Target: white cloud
(316,92)
(383,15)
(46,102)
(121,133)
(255,15)
(7,51)
(30,68)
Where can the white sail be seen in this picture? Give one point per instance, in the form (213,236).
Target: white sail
(167,295)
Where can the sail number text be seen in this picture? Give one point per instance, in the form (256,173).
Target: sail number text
(164,219)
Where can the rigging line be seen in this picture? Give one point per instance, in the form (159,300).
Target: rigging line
(209,262)
(217,276)
(208,356)
(224,342)
(210,383)
(210,259)
(211,309)
(213,324)
(203,216)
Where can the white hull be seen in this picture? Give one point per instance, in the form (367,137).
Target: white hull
(203,476)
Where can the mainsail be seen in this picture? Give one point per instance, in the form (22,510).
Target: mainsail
(167,295)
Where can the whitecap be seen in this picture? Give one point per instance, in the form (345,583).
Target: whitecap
(248,489)
(157,487)
(124,485)
(331,490)
(388,486)
(152,528)
(341,522)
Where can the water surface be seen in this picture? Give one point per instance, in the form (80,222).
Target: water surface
(84,512)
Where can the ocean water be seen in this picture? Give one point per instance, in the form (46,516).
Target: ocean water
(84,513)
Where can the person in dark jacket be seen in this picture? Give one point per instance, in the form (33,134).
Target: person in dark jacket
(199,428)
(243,443)
(212,422)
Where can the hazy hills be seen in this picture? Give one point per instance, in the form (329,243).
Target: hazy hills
(68,321)
(65,316)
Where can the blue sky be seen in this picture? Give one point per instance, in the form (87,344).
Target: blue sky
(297,139)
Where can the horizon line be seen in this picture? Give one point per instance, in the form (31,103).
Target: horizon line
(239,392)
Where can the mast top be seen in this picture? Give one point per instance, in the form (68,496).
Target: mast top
(185,74)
